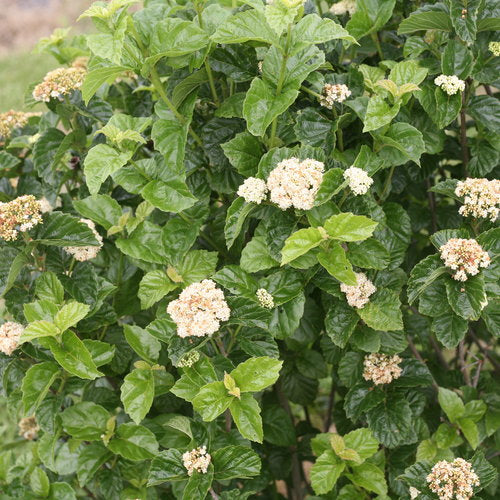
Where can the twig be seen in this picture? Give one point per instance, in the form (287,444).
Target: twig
(329,410)
(415,352)
(462,363)
(229,420)
(485,351)
(487,89)
(475,381)
(213,494)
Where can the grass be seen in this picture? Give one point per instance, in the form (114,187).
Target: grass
(17,72)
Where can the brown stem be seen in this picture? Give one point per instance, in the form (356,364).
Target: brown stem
(415,352)
(462,363)
(475,381)
(486,352)
(463,138)
(296,469)
(213,494)
(487,88)
(329,410)
(229,420)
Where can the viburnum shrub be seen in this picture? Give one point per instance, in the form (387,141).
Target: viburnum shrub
(251,251)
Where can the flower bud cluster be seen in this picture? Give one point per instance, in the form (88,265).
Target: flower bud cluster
(334,93)
(265,298)
(464,256)
(86,253)
(21,214)
(196,460)
(189,359)
(359,180)
(481,198)
(295,183)
(343,7)
(199,310)
(358,295)
(253,190)
(494,48)
(11,120)
(453,480)
(450,84)
(59,82)
(28,428)
(381,368)
(10,333)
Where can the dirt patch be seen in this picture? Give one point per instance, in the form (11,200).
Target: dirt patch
(24,22)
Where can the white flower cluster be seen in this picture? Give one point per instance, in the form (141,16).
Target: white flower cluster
(45,205)
(11,120)
(343,7)
(494,48)
(413,492)
(482,198)
(359,180)
(253,190)
(196,460)
(381,368)
(59,82)
(358,295)
(453,479)
(295,183)
(464,256)
(86,253)
(28,428)
(189,359)
(334,93)
(10,333)
(450,84)
(265,298)
(21,214)
(199,310)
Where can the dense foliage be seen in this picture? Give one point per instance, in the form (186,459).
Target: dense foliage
(239,257)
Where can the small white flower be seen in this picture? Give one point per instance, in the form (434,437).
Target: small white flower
(21,214)
(86,253)
(453,479)
(196,460)
(343,7)
(358,295)
(494,48)
(381,368)
(265,298)
(334,93)
(450,84)
(59,82)
(414,492)
(359,180)
(481,198)
(45,205)
(253,190)
(28,428)
(464,256)
(10,333)
(189,359)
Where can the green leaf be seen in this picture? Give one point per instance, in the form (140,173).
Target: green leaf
(167,466)
(350,227)
(100,208)
(137,393)
(278,426)
(39,482)
(37,329)
(465,26)
(244,152)
(8,161)
(401,142)
(171,196)
(245,26)
(255,374)
(134,442)
(178,237)
(369,254)
(193,378)
(85,421)
(70,314)
(485,471)
(300,242)
(456,60)
(369,17)
(363,442)
(262,105)
(340,322)
(36,384)
(198,484)
(102,161)
(235,218)
(379,113)
(73,356)
(335,261)
(383,311)
(256,256)
(197,265)
(325,472)
(246,415)
(98,77)
(48,287)
(423,275)
(441,107)
(142,342)
(234,462)
(153,287)
(470,431)
(369,477)
(408,72)
(486,110)
(434,18)
(451,404)
(212,400)
(237,281)
(90,459)
(467,299)
(312,128)
(449,328)
(145,243)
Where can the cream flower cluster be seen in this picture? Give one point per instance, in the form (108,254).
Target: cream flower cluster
(464,256)
(450,84)
(10,333)
(21,214)
(86,253)
(359,180)
(381,368)
(334,93)
(59,82)
(196,460)
(481,198)
(413,492)
(253,190)
(451,480)
(28,428)
(11,120)
(199,310)
(494,48)
(358,295)
(343,7)
(189,359)
(295,183)
(45,205)
(265,298)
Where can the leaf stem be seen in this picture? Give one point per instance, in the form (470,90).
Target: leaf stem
(376,41)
